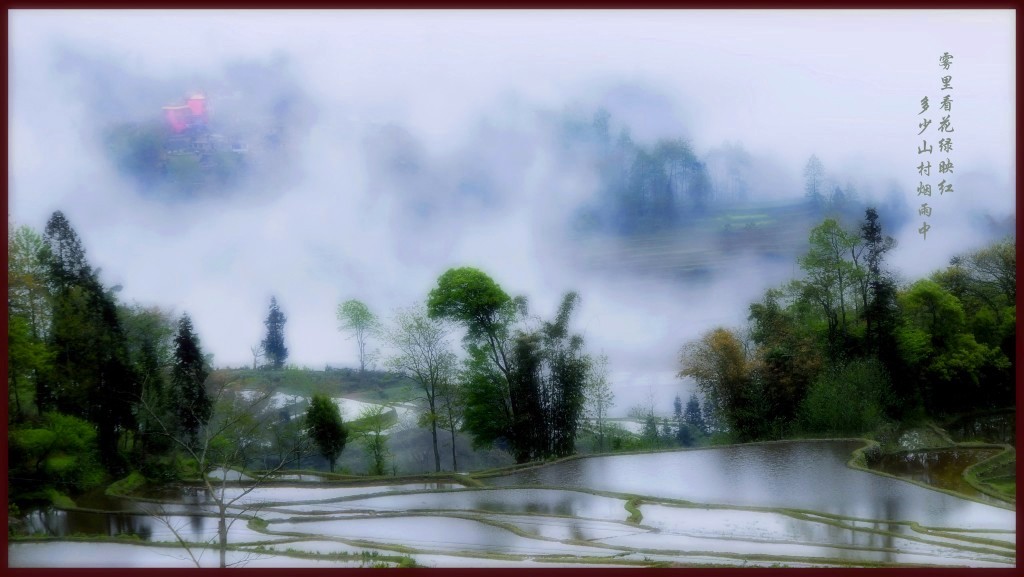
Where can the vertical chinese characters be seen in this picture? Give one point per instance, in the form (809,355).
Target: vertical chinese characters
(945,142)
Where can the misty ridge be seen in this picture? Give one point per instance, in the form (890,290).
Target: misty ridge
(603,193)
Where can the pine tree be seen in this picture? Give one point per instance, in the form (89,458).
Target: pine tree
(188,378)
(273,345)
(881,289)
(91,376)
(692,416)
(814,182)
(64,253)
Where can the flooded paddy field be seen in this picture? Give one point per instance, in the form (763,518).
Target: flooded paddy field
(791,504)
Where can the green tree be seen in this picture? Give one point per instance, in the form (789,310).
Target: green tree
(643,413)
(547,387)
(879,308)
(847,399)
(26,356)
(149,333)
(65,254)
(326,428)
(55,452)
(487,407)
(983,282)
(786,358)
(273,344)
(523,388)
(188,379)
(935,343)
(27,279)
(356,318)
(29,314)
(373,421)
(471,298)
(422,354)
(829,277)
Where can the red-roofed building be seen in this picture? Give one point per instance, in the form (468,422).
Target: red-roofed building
(181,117)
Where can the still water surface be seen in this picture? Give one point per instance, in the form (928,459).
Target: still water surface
(804,475)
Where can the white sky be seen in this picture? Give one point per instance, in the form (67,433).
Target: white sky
(844,85)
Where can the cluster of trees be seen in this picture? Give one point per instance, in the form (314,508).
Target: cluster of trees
(847,345)
(521,386)
(94,385)
(642,187)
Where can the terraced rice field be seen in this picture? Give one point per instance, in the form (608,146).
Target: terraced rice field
(791,504)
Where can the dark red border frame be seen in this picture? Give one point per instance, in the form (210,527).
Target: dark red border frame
(494,4)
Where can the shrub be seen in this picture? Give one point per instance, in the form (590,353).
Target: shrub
(847,399)
(126,485)
(59,452)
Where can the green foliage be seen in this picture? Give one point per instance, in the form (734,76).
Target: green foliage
(832,277)
(786,359)
(126,486)
(373,420)
(488,412)
(58,499)
(59,451)
(29,317)
(470,297)
(548,387)
(407,562)
(27,276)
(323,419)
(27,356)
(935,343)
(357,318)
(846,400)
(525,393)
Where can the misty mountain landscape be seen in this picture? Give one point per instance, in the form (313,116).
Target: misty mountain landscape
(511,288)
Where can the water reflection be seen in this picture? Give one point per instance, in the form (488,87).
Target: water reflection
(808,475)
(993,428)
(941,468)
